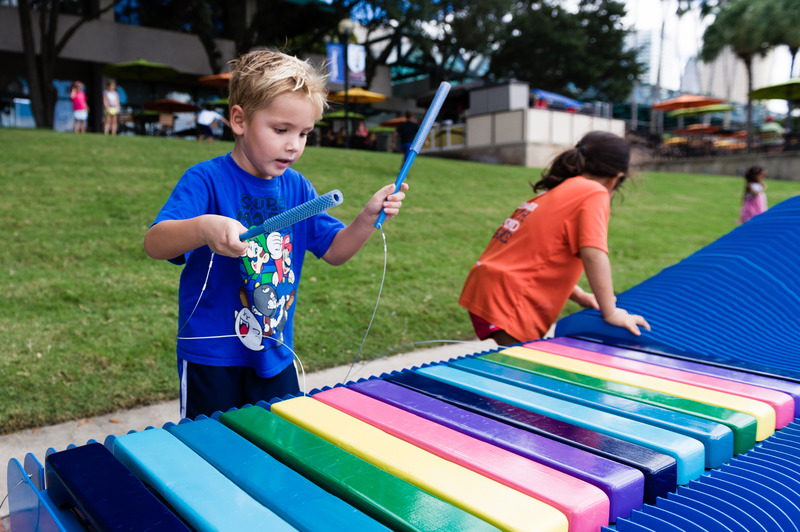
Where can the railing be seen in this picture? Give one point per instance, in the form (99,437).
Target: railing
(446,136)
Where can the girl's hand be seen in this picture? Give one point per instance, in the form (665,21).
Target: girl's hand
(584,298)
(621,318)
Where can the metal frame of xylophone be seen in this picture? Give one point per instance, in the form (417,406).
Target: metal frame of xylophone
(555,435)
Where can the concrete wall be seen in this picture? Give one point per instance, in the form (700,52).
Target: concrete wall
(784,166)
(103,41)
(524,137)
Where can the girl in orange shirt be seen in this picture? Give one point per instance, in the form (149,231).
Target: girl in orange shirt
(518,286)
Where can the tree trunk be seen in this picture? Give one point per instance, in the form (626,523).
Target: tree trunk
(656,118)
(41,64)
(789,105)
(748,63)
(29,50)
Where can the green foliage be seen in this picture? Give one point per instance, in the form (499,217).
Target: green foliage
(742,25)
(88,322)
(582,54)
(784,21)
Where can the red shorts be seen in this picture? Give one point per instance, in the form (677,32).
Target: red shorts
(482,327)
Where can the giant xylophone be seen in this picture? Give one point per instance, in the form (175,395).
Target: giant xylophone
(691,427)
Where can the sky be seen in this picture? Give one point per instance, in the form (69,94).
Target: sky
(684,37)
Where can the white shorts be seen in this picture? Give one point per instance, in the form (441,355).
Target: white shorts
(82,114)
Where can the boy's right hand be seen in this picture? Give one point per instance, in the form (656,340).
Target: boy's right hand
(221,235)
(621,318)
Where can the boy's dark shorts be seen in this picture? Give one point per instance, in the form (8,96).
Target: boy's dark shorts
(208,389)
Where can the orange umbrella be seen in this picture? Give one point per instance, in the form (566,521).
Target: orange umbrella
(701,129)
(216,80)
(685,101)
(392,122)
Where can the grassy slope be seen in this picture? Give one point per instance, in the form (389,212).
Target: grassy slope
(89,320)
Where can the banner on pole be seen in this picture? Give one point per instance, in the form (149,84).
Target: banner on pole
(356,60)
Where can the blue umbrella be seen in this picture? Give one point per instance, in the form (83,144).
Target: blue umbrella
(552,97)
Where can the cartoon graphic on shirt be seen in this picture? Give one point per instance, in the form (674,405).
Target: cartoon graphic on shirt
(268,289)
(249,330)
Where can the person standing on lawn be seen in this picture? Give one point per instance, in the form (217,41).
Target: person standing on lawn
(754,199)
(80,109)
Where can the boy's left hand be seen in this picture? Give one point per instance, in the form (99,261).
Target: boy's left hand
(350,239)
(388,200)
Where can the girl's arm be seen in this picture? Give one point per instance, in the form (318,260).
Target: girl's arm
(172,238)
(352,238)
(598,273)
(584,298)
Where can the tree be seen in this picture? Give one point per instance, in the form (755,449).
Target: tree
(41,67)
(743,26)
(292,24)
(446,40)
(786,27)
(582,54)
(784,24)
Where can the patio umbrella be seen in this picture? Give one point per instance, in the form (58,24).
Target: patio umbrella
(685,101)
(789,90)
(170,106)
(357,95)
(340,114)
(701,129)
(706,109)
(140,70)
(772,126)
(216,80)
(554,98)
(392,122)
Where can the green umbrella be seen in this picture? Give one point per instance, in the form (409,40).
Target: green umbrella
(340,114)
(715,108)
(772,126)
(789,90)
(140,70)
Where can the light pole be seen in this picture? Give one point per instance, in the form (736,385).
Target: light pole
(345,30)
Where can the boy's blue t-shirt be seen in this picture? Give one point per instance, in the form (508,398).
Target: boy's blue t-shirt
(245,314)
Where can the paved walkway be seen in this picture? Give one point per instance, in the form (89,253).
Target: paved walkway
(37,441)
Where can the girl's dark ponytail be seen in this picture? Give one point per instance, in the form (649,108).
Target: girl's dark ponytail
(599,153)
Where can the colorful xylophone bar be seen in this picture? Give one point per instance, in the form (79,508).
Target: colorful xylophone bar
(690,427)
(531,437)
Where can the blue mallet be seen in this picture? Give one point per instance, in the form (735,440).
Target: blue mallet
(296,214)
(419,139)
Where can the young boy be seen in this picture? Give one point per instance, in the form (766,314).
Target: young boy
(237,299)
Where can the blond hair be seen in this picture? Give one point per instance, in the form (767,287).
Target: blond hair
(258,77)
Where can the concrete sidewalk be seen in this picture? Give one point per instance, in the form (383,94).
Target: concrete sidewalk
(37,441)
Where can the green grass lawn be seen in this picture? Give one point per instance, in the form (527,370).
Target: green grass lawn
(89,321)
